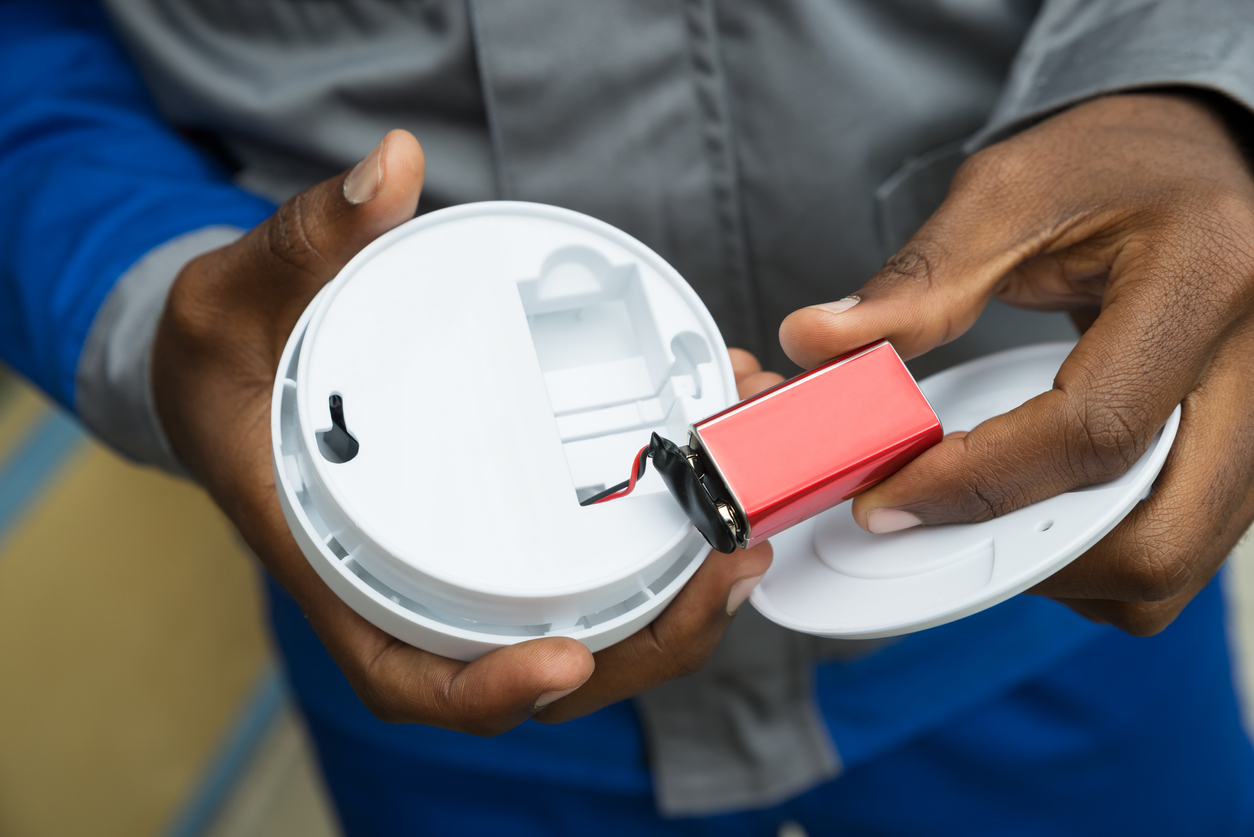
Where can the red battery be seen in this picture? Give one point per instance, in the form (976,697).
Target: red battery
(812,442)
(795,450)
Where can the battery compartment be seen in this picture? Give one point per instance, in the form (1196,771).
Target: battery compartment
(614,372)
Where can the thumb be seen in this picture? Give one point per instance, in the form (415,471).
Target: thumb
(306,242)
(928,293)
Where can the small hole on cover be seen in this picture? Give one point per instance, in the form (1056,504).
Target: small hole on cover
(1044,525)
(336,444)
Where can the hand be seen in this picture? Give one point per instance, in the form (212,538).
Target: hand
(217,349)
(1136,214)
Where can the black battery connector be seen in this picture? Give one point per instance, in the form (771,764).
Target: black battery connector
(675,465)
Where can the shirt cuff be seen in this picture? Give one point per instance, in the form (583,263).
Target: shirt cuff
(113,380)
(1069,57)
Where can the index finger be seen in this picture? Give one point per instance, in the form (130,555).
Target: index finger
(743,363)
(1112,394)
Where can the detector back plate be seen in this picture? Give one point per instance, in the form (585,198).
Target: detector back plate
(832,579)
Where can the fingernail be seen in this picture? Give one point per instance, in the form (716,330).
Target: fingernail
(550,697)
(840,306)
(739,592)
(883,521)
(363,181)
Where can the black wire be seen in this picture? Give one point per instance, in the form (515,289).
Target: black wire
(596,498)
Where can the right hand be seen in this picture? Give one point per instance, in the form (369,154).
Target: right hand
(217,350)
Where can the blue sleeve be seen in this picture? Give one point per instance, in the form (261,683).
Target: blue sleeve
(91,179)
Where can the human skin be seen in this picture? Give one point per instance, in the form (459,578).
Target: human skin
(1135,213)
(217,349)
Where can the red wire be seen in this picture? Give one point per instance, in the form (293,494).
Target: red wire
(631,483)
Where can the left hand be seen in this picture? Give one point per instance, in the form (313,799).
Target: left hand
(226,321)
(1136,214)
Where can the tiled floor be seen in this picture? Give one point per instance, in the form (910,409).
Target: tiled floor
(131,649)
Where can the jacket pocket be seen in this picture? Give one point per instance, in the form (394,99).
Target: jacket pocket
(908,198)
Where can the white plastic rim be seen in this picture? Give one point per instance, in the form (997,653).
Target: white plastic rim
(832,579)
(496,363)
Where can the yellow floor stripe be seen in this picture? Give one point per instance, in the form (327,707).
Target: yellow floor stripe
(20,409)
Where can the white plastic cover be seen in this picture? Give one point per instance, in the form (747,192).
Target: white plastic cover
(496,363)
(832,579)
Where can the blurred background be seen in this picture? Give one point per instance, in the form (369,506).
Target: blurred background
(138,692)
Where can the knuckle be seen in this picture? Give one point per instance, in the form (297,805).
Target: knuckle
(998,494)
(920,270)
(980,501)
(1107,442)
(291,235)
(914,265)
(960,484)
(985,495)
(911,263)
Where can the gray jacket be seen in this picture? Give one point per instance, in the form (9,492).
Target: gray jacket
(775,152)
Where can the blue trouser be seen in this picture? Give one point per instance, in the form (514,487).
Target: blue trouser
(1120,736)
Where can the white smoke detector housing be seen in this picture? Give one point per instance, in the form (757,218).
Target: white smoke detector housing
(445,403)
